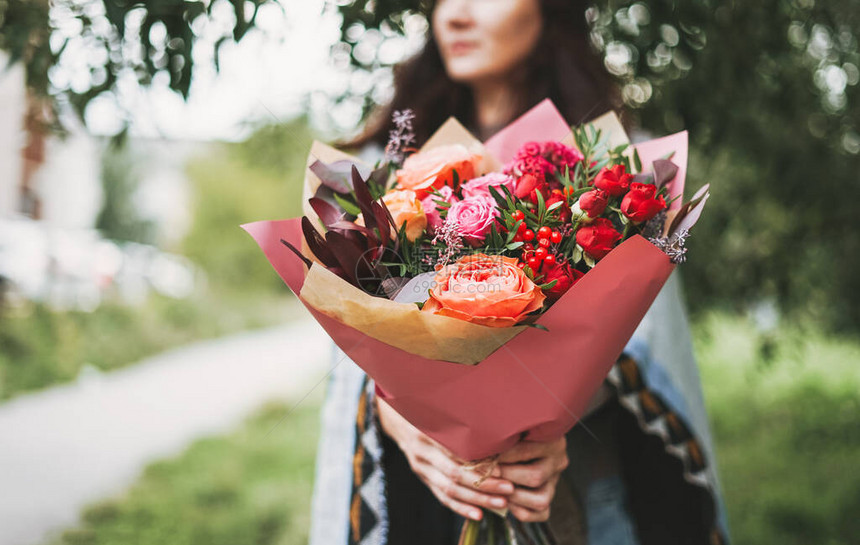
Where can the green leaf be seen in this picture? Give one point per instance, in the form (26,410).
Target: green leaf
(512,233)
(554,205)
(548,285)
(541,206)
(348,207)
(500,200)
(589,260)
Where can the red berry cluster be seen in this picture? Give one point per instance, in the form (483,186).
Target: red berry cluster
(535,258)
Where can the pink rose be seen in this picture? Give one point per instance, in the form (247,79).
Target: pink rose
(479,187)
(474,216)
(434,220)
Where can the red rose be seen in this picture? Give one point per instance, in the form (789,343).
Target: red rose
(640,203)
(614,181)
(593,203)
(598,238)
(528,186)
(564,275)
(563,210)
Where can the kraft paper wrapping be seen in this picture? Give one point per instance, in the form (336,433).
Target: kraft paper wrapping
(402,325)
(524,382)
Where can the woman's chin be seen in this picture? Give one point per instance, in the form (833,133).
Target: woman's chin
(468,71)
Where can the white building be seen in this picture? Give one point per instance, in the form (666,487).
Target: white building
(12,107)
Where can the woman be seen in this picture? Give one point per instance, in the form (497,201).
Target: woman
(635,471)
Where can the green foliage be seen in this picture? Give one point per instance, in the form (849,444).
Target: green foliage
(783,407)
(259,179)
(252,487)
(143,38)
(777,142)
(118,218)
(24,35)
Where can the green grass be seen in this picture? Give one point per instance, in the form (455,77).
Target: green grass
(785,408)
(786,427)
(39,347)
(251,487)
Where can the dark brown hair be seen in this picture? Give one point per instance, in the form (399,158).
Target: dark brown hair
(563,67)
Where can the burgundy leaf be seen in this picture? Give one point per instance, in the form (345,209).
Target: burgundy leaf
(327,213)
(352,259)
(357,238)
(336,175)
(362,196)
(317,244)
(345,226)
(380,175)
(381,214)
(664,172)
(301,256)
(643,178)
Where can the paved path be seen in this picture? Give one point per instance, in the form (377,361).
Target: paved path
(65,447)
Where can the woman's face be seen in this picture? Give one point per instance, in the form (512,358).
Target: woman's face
(485,39)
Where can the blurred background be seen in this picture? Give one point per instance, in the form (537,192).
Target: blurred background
(153,382)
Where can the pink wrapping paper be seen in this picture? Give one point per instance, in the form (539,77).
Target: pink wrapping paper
(539,383)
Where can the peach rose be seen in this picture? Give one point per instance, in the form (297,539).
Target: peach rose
(485,290)
(435,168)
(406,208)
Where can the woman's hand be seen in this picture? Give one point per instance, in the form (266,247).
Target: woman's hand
(441,471)
(534,467)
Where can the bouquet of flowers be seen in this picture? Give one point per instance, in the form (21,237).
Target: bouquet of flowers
(488,288)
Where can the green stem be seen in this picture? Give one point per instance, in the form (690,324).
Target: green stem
(469,533)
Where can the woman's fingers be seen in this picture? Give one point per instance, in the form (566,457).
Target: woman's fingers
(462,493)
(527,515)
(532,505)
(525,451)
(462,509)
(537,500)
(458,474)
(533,475)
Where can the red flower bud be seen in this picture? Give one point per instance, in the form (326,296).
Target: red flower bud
(640,203)
(527,187)
(614,181)
(563,209)
(564,275)
(598,238)
(593,203)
